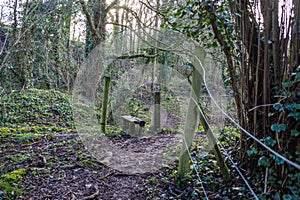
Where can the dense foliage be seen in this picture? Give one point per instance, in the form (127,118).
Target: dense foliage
(257,43)
(35,107)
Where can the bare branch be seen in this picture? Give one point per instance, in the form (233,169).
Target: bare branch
(226,50)
(137,56)
(4,44)
(118,24)
(127,9)
(89,18)
(110,6)
(150,7)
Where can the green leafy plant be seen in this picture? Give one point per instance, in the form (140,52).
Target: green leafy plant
(35,108)
(9,183)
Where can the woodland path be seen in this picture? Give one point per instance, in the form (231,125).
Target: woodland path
(59,167)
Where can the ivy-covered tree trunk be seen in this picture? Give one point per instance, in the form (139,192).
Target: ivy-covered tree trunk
(24,56)
(96,22)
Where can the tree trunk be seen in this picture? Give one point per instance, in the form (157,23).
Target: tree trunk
(95,23)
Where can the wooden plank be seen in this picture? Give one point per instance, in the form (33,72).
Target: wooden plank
(134,120)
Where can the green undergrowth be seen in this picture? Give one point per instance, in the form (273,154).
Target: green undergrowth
(35,107)
(9,188)
(8,131)
(30,133)
(204,169)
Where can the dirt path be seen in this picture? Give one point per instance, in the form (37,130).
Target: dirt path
(61,168)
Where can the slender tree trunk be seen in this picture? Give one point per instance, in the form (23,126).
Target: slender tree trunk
(68,62)
(266,81)
(15,24)
(296,35)
(275,41)
(25,65)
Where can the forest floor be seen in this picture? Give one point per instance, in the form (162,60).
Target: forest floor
(59,167)
(42,157)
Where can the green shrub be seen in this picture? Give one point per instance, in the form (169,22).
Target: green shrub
(35,107)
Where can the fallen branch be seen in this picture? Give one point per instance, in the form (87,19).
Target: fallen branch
(91,196)
(107,175)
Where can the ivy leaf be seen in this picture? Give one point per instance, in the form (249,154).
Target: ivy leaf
(287,93)
(203,3)
(188,65)
(294,133)
(278,127)
(269,141)
(264,162)
(277,195)
(287,84)
(221,16)
(295,115)
(290,106)
(278,107)
(287,197)
(251,151)
(277,159)
(298,76)
(172,20)
(187,9)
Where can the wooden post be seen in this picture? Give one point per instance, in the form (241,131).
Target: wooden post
(190,126)
(214,145)
(156,114)
(105,102)
(191,123)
